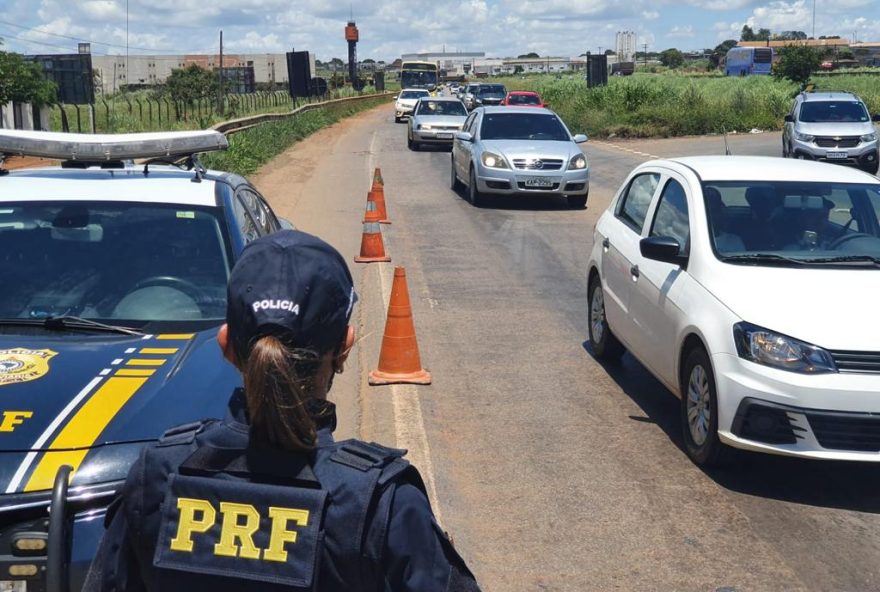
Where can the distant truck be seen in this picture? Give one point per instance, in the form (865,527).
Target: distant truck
(623,68)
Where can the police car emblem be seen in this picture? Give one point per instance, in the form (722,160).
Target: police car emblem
(22,365)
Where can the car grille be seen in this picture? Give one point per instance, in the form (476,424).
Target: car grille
(839,431)
(857,362)
(838,142)
(538,164)
(446,128)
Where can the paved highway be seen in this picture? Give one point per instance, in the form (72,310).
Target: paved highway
(552,471)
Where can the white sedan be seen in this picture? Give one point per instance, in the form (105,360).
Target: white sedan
(748,286)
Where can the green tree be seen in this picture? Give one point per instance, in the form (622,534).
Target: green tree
(762,35)
(747,34)
(792,36)
(22,81)
(797,63)
(531,54)
(720,51)
(671,58)
(517,69)
(191,84)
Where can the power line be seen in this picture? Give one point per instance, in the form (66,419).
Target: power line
(83,40)
(32,42)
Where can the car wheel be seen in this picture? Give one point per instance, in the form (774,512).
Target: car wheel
(410,144)
(699,411)
(873,168)
(603,342)
(473,194)
(577,202)
(785,151)
(454,183)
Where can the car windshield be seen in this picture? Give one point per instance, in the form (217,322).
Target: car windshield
(797,222)
(492,90)
(834,111)
(522,126)
(441,108)
(523,100)
(123,263)
(414,94)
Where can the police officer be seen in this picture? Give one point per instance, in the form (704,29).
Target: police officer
(265,499)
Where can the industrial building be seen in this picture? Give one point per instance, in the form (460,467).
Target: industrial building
(626,44)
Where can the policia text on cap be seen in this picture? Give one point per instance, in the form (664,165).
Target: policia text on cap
(265,499)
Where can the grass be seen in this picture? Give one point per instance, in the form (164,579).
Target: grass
(252,148)
(671,104)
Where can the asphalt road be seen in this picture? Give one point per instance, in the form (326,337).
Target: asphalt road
(553,472)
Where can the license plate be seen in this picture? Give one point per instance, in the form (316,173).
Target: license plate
(538,182)
(444,136)
(836,155)
(13,586)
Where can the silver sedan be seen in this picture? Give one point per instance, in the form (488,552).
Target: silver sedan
(435,120)
(519,150)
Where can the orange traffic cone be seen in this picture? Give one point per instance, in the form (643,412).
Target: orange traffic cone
(377,177)
(377,194)
(372,247)
(399,360)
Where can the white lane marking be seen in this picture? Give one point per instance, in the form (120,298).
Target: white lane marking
(104,372)
(630,150)
(117,361)
(131,350)
(44,437)
(409,423)
(146,337)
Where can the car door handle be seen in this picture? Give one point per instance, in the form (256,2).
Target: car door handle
(634,270)
(606,244)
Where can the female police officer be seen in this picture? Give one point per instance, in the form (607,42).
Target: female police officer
(266,499)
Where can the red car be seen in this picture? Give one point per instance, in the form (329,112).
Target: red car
(523,98)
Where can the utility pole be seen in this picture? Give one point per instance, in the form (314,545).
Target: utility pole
(645,55)
(220,75)
(126,45)
(814,19)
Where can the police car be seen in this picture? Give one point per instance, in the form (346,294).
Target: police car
(114,283)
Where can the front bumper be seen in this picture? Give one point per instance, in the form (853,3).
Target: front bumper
(440,136)
(519,181)
(864,154)
(832,416)
(401,111)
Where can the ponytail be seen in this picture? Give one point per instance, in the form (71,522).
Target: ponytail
(278,383)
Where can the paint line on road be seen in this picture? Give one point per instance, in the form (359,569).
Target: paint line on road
(625,149)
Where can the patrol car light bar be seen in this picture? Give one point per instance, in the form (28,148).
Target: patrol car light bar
(101,147)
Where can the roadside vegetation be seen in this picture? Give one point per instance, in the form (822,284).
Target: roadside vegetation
(250,149)
(670,104)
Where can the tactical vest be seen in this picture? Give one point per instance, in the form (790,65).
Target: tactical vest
(236,519)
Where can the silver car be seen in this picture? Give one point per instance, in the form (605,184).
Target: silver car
(519,150)
(833,127)
(406,101)
(435,120)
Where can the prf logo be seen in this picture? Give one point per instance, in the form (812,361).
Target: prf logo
(22,365)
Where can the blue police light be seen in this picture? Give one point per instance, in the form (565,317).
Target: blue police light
(105,147)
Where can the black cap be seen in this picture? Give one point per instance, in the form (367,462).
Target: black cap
(292,285)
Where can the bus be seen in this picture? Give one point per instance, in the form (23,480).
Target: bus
(419,75)
(742,61)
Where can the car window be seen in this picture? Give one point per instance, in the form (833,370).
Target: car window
(522,126)
(523,99)
(440,108)
(634,204)
(671,219)
(469,123)
(245,220)
(834,111)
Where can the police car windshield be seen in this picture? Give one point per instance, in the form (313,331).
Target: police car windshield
(121,263)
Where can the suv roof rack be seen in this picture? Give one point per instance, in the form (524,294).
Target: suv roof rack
(109,147)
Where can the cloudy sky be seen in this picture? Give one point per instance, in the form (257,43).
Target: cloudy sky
(390,27)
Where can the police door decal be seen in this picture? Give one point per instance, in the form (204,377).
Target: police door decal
(251,531)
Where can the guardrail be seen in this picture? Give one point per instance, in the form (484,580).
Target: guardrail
(242,123)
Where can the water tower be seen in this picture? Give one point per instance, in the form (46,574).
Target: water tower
(351,35)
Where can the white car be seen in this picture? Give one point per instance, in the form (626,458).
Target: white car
(405,102)
(748,286)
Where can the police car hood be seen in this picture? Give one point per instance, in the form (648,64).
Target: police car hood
(76,399)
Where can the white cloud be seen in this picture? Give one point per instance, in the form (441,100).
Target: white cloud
(686,31)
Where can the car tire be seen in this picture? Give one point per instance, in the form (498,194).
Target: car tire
(577,202)
(474,196)
(604,344)
(872,169)
(785,150)
(699,411)
(454,183)
(410,144)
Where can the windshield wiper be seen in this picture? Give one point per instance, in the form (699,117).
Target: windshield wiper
(869,260)
(67,322)
(757,258)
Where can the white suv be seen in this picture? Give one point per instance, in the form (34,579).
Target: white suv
(748,286)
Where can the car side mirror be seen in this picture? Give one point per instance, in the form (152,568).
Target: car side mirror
(662,248)
(395,97)
(464,136)
(876,117)
(788,118)
(286,224)
(580,138)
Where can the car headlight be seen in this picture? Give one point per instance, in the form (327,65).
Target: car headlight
(425,126)
(869,137)
(765,347)
(579,161)
(804,137)
(493,161)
